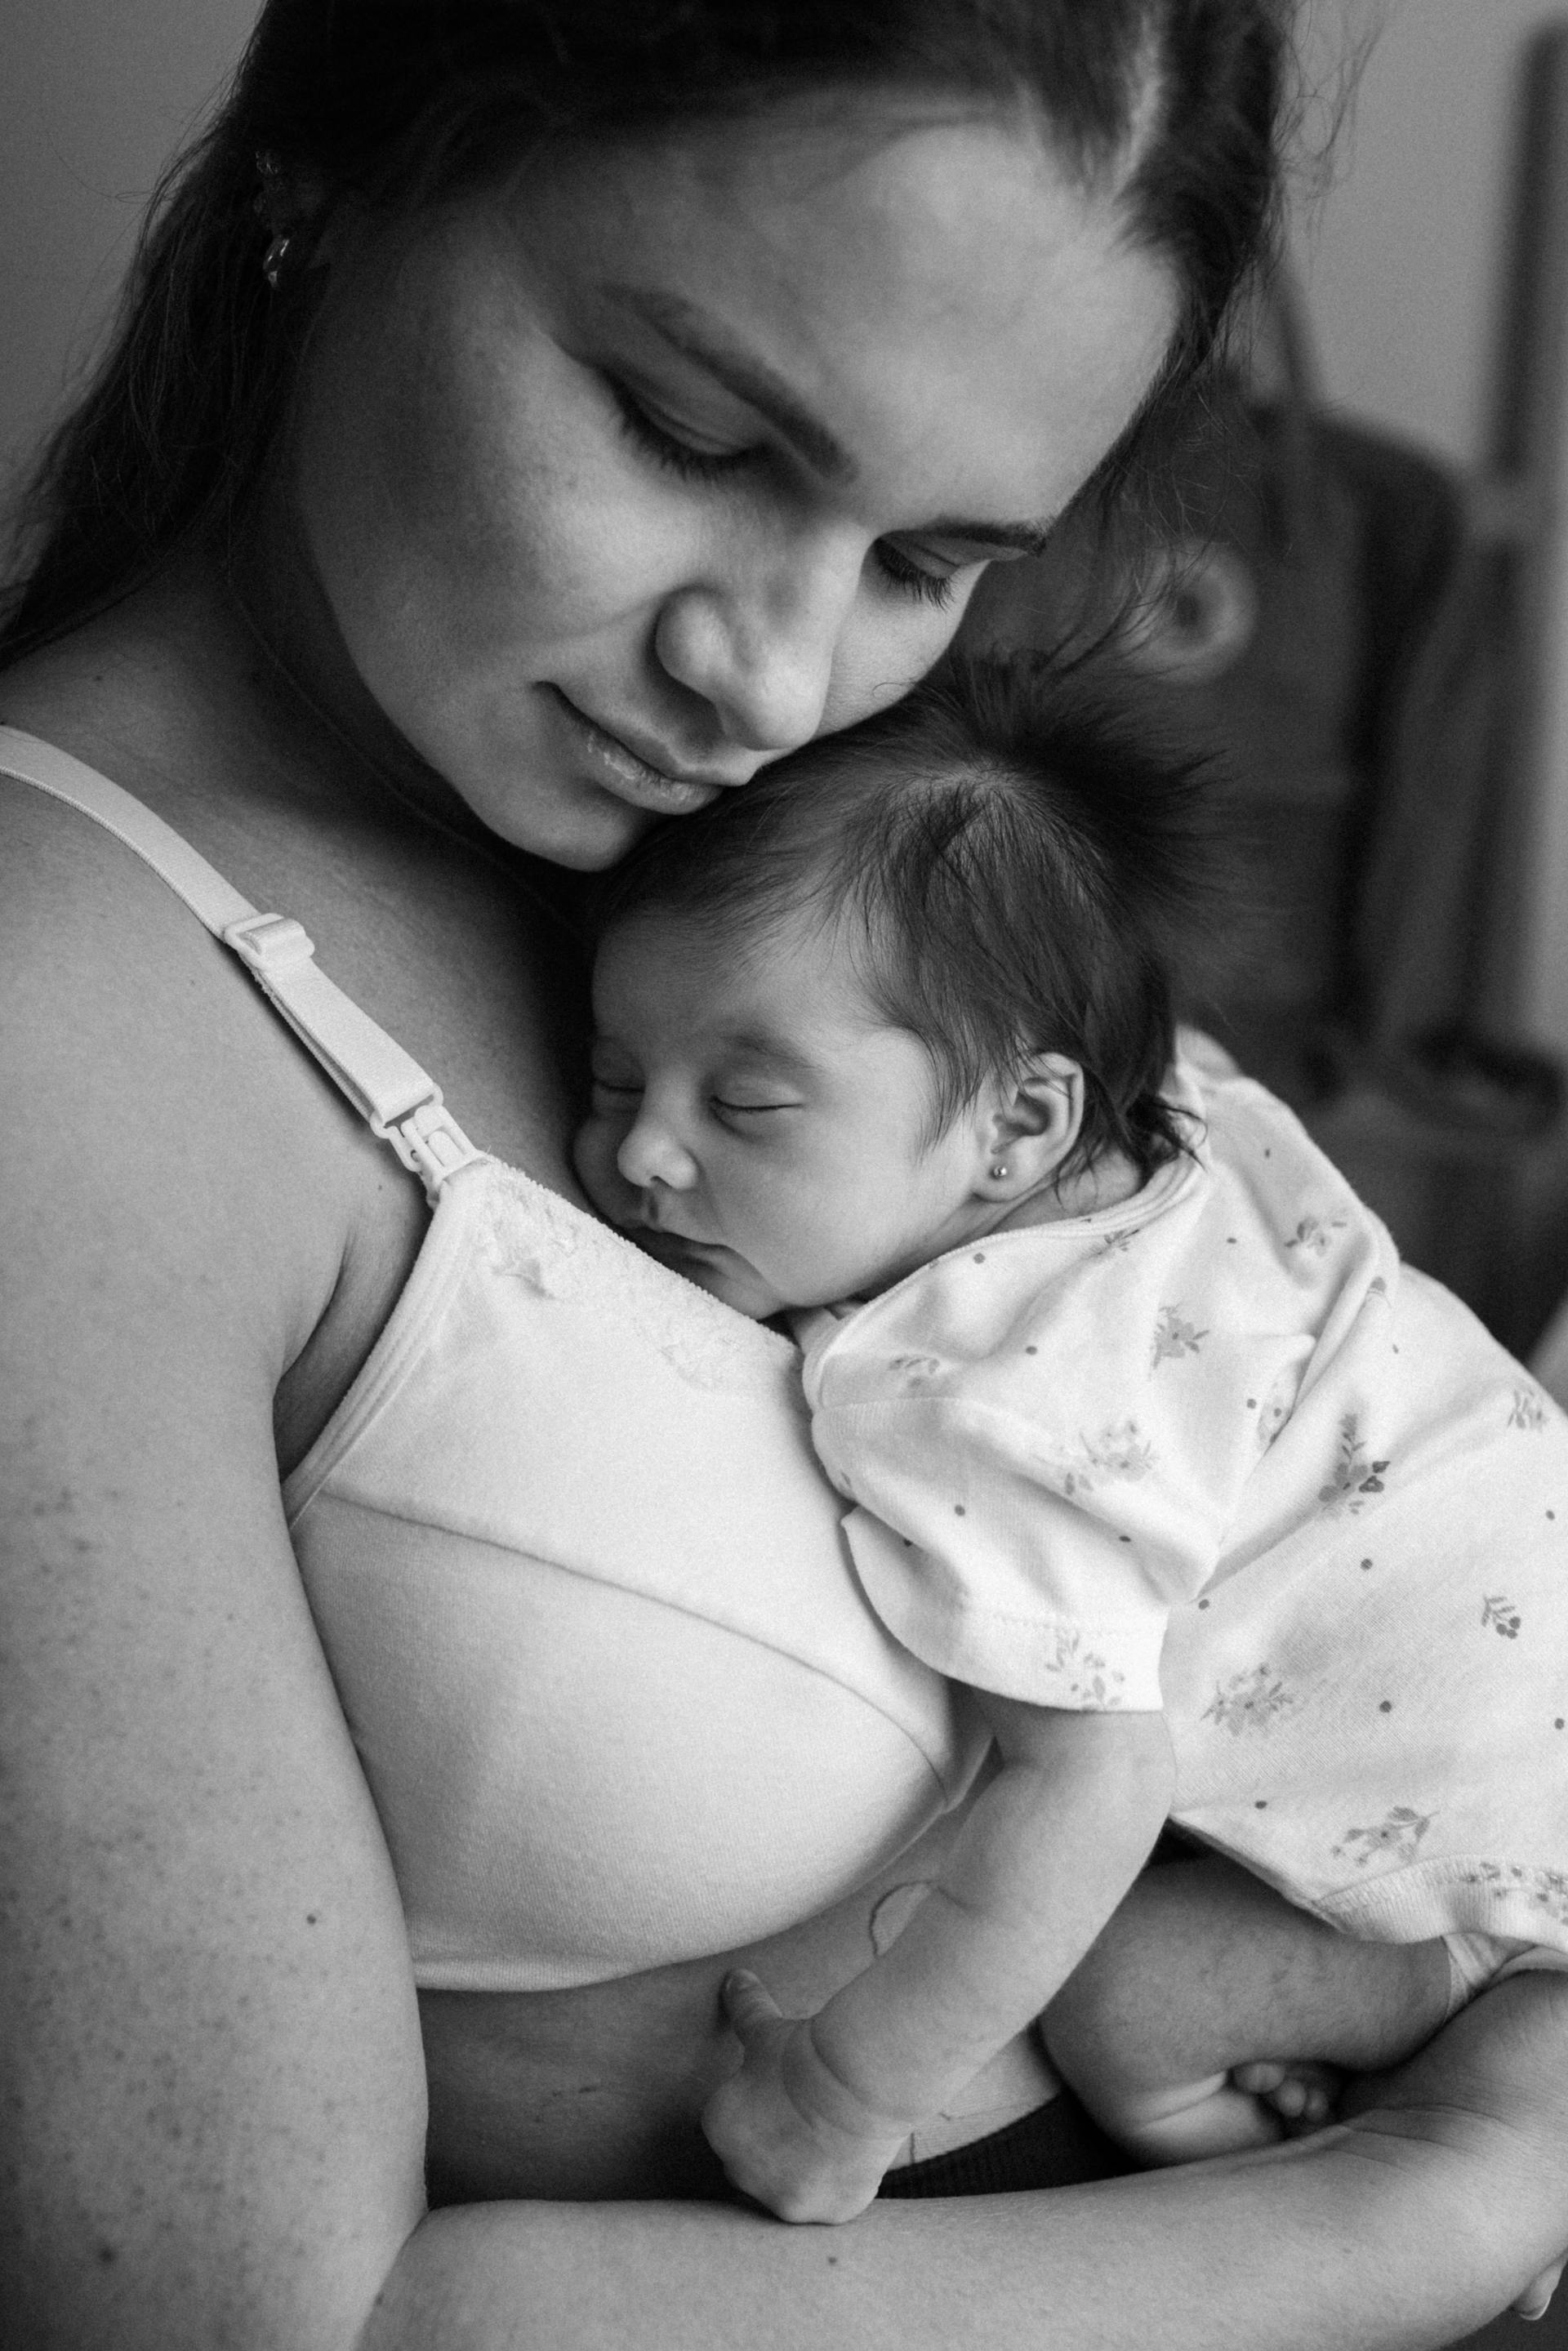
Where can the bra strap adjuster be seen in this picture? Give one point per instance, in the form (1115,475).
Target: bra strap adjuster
(429,1141)
(270,943)
(397,1100)
(400,1102)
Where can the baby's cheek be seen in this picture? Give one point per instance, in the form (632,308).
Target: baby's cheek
(593,1157)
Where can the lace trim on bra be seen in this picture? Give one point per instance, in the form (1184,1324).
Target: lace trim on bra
(524,1232)
(536,1236)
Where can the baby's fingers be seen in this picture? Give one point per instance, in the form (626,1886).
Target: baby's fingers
(748,2004)
(1536,2299)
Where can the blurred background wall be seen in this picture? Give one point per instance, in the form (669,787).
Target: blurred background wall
(1405,260)
(93,96)
(1403,249)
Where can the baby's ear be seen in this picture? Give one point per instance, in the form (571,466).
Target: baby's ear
(1037,1113)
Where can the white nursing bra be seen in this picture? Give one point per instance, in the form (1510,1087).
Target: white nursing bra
(581,1584)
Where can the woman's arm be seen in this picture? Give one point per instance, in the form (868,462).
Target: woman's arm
(1400,2232)
(213,2107)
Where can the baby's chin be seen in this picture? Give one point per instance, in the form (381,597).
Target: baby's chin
(720,1271)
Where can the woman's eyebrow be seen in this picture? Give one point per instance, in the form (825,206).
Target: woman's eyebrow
(690,331)
(1022,538)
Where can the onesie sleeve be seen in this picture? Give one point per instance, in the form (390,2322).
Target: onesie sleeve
(1040,1569)
(1049,1441)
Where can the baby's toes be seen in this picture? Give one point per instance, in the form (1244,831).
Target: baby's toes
(1304,2095)
(1320,2104)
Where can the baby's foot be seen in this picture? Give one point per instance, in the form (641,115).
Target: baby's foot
(1255,2106)
(1304,2096)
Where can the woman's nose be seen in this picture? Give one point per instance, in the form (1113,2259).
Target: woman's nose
(760,644)
(651,1153)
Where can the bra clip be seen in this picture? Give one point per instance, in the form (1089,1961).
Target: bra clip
(430,1143)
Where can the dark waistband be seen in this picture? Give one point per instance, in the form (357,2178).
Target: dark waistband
(1055,2147)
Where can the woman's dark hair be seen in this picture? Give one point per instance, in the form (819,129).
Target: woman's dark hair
(1013,868)
(399,101)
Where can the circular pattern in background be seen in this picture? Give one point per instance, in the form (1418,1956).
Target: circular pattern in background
(1195,614)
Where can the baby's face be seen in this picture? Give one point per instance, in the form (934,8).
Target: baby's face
(761,1128)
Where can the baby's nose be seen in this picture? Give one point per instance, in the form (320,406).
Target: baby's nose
(651,1154)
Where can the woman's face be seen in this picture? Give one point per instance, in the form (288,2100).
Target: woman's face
(625,480)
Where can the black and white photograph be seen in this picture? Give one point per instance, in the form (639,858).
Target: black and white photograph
(784,1175)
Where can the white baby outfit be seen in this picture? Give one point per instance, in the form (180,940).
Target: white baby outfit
(1215,1449)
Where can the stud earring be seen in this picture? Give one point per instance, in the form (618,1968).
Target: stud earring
(998,1169)
(274,258)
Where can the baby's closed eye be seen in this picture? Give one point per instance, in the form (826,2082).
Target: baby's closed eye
(613,1072)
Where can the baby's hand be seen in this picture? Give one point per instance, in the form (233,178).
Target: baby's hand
(787,2130)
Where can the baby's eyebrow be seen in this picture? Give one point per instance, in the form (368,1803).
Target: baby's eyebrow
(783,1058)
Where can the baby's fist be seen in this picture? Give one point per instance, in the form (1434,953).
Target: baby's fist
(768,2131)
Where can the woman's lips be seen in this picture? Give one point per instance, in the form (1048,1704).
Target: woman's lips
(608,763)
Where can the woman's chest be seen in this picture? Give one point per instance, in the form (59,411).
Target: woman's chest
(581,1585)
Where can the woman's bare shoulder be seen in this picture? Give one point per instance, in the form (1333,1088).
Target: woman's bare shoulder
(145,1058)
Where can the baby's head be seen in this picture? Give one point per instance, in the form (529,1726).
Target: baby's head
(911,984)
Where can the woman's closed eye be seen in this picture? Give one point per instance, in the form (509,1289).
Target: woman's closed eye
(685,451)
(933,587)
(934,570)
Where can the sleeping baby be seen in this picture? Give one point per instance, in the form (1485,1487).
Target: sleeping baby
(1147,1438)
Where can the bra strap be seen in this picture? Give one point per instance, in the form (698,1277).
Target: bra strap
(395,1096)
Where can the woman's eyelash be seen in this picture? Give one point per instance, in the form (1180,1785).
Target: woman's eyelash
(665,449)
(930,587)
(708,464)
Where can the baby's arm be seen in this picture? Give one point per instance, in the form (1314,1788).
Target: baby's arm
(821,2104)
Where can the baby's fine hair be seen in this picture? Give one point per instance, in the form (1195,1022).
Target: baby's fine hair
(1013,866)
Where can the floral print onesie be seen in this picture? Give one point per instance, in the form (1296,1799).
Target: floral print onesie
(1214,1451)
